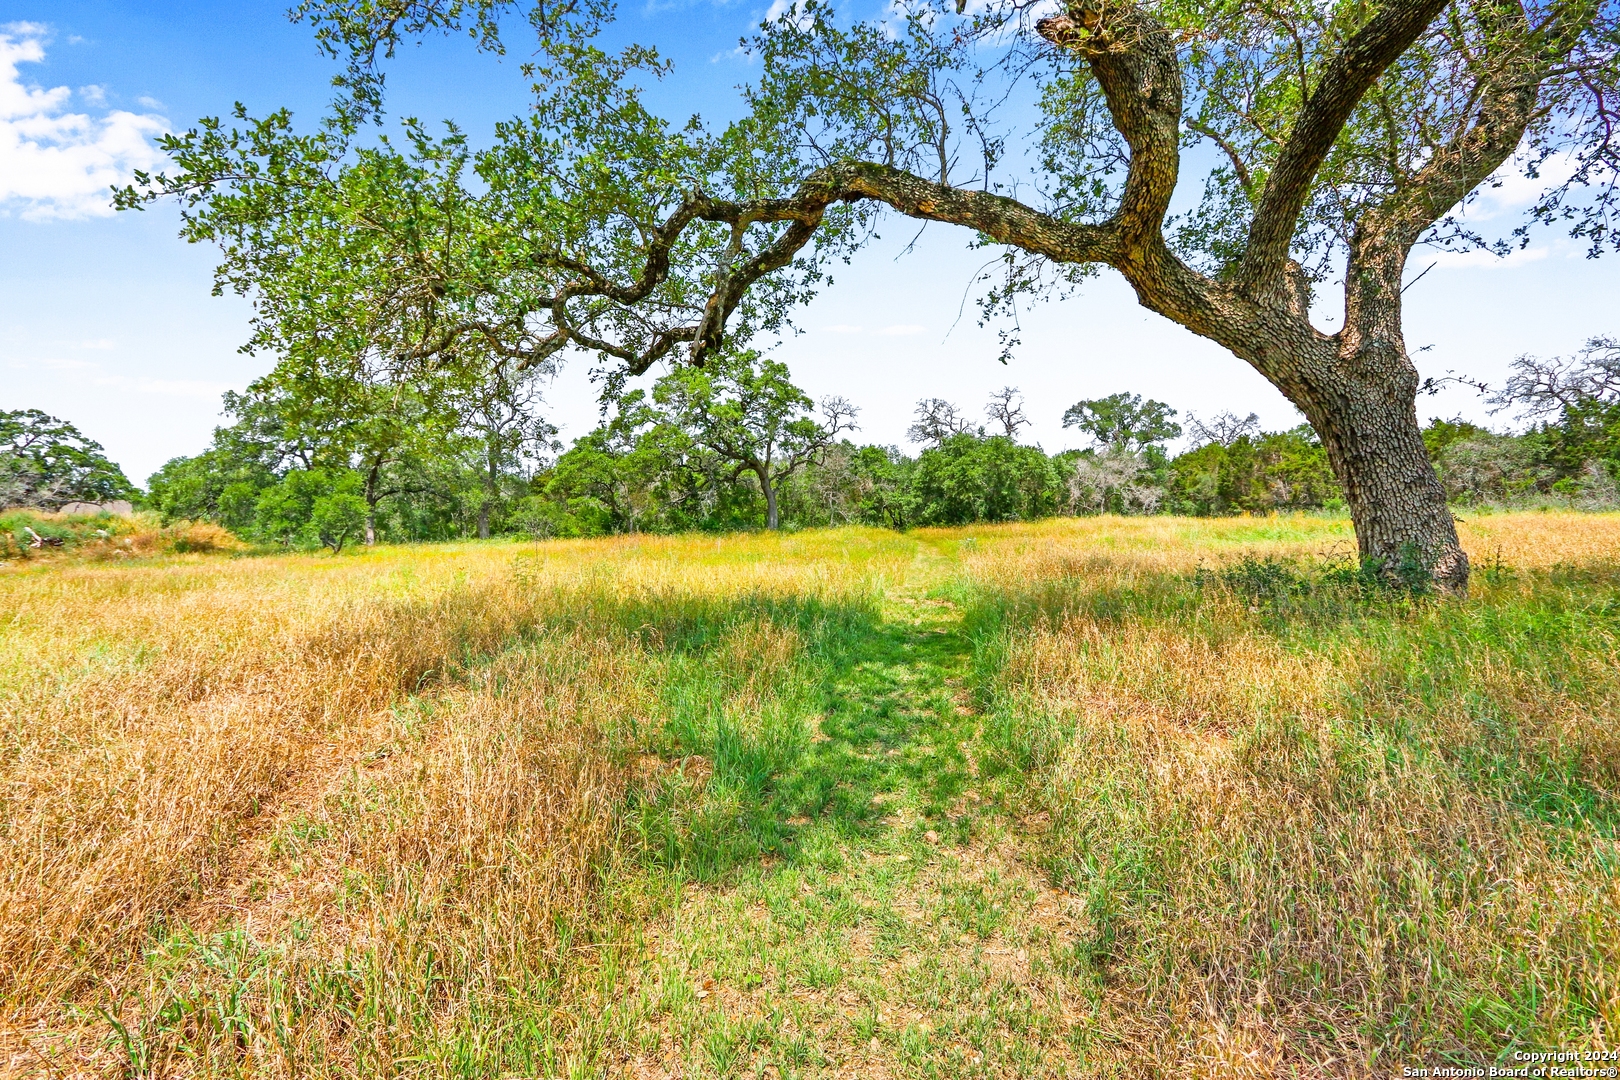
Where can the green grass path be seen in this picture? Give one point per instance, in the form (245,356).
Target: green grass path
(890,926)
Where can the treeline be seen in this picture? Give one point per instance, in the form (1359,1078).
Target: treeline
(732,445)
(1569,455)
(642,473)
(319,457)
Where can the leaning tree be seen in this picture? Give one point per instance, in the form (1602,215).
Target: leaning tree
(1314,143)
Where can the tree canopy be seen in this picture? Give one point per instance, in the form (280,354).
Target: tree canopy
(1123,420)
(744,409)
(1326,139)
(46,462)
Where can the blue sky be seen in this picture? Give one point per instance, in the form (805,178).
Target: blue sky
(107,319)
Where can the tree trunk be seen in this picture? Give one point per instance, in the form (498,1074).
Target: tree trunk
(1396,501)
(1371,429)
(492,482)
(1359,391)
(372,499)
(764,474)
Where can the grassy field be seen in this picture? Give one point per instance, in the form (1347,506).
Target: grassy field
(1096,797)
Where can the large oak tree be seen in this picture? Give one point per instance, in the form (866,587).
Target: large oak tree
(1317,141)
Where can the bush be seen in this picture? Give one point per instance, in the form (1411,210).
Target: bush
(106,536)
(1282,470)
(1492,469)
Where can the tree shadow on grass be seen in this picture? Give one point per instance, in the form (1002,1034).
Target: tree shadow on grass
(863,721)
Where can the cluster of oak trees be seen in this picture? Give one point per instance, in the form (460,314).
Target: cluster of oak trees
(733,444)
(736,445)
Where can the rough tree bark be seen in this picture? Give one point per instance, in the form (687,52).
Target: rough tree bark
(763,471)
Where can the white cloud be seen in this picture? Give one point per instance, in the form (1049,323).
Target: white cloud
(57,164)
(149,101)
(1509,192)
(95,95)
(789,9)
(1486,260)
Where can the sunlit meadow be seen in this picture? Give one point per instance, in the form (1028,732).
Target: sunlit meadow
(1091,797)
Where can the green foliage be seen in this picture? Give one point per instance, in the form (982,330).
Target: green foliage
(217,485)
(688,454)
(1440,434)
(1284,470)
(284,510)
(339,514)
(1123,420)
(968,478)
(433,460)
(1570,454)
(593,224)
(745,410)
(46,462)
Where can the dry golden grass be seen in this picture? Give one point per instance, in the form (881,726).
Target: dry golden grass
(166,724)
(392,813)
(1541,540)
(107,537)
(1303,844)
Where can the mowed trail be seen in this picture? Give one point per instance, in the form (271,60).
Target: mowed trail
(903,928)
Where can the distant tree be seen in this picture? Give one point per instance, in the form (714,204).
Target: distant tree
(968,478)
(938,420)
(623,476)
(1576,402)
(1547,387)
(1440,434)
(1493,469)
(1118,480)
(218,484)
(882,481)
(336,415)
(310,508)
(45,462)
(743,408)
(339,514)
(499,411)
(1123,420)
(1006,412)
(1254,472)
(1224,428)
(284,510)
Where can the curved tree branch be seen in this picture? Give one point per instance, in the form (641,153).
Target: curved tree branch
(1346,79)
